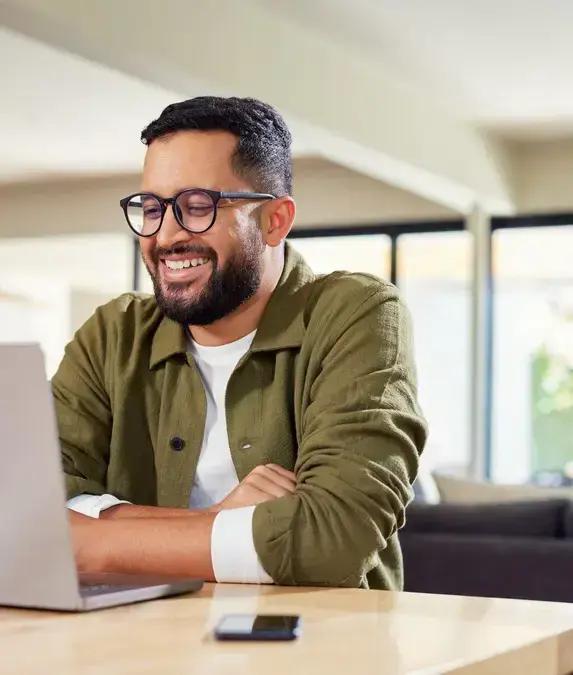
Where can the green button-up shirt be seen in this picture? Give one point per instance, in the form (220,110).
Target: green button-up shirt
(327,390)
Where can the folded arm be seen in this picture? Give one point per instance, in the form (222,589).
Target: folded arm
(361,435)
(133,539)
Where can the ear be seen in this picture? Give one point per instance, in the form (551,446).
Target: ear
(277,220)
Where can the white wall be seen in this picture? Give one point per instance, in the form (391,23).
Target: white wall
(329,194)
(542,174)
(64,206)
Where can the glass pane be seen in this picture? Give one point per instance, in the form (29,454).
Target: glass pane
(354,253)
(50,286)
(434,273)
(533,355)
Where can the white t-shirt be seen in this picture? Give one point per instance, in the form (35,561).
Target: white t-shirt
(216,475)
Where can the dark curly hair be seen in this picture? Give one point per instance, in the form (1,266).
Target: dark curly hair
(263,149)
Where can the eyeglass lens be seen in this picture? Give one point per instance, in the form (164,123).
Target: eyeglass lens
(194,210)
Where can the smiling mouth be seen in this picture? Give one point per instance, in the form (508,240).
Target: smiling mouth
(182,264)
(183,269)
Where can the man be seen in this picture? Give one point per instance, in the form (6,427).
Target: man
(251,422)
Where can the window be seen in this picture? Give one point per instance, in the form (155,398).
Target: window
(354,253)
(532,435)
(434,276)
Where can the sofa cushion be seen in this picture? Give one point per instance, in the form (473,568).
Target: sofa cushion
(425,488)
(499,567)
(463,490)
(515,519)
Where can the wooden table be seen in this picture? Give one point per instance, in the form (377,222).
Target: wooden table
(344,631)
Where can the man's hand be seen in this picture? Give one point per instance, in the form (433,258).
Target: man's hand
(265,482)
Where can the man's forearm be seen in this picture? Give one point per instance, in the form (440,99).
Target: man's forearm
(122,511)
(169,546)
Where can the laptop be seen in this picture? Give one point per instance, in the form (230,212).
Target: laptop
(37,567)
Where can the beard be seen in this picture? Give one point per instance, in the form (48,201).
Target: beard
(227,288)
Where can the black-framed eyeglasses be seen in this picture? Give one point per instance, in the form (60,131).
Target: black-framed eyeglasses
(195,209)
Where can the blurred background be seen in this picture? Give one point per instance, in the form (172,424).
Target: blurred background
(433,147)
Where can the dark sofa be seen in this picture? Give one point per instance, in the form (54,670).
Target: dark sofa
(505,550)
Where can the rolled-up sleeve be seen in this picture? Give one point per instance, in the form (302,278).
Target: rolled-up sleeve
(93,505)
(232,550)
(362,434)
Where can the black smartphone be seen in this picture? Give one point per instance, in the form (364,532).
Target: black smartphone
(258,627)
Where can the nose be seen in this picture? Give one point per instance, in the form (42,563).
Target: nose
(171,233)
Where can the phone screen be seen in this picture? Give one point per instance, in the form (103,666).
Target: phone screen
(258,627)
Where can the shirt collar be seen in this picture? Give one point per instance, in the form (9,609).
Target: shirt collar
(282,323)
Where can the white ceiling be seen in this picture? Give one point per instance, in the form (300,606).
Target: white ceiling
(62,114)
(502,64)
(68,116)
(505,64)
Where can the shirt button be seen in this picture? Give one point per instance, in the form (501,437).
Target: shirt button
(246,445)
(177,443)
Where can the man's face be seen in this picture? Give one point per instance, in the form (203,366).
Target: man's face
(230,252)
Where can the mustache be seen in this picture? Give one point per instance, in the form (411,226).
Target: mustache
(199,251)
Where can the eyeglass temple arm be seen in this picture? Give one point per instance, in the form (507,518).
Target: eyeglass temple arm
(246,195)
(224,195)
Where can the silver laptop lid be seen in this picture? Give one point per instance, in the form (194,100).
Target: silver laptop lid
(36,560)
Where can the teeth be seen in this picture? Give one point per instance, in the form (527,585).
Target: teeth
(183,264)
